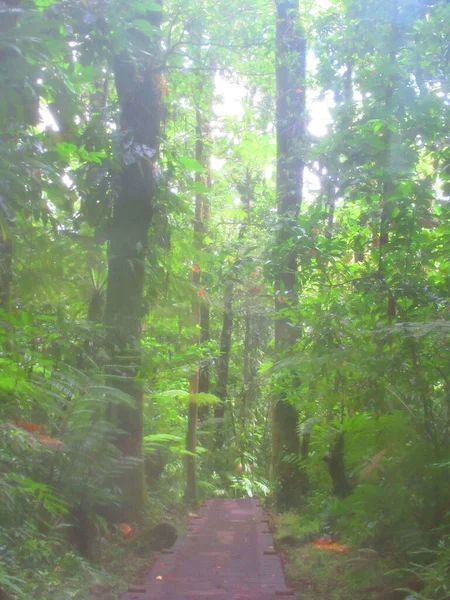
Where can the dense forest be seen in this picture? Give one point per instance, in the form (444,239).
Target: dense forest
(225,271)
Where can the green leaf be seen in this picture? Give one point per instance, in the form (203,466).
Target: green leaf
(172,394)
(158,438)
(204,399)
(190,164)
(199,187)
(265,367)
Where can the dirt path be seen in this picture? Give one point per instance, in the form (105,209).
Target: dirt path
(228,555)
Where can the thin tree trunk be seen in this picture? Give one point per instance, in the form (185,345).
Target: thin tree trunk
(139,100)
(290,122)
(5,270)
(388,181)
(247,368)
(204,375)
(200,312)
(204,370)
(203,129)
(223,361)
(190,494)
(191,436)
(250,375)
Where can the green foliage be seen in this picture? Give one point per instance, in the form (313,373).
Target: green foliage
(434,574)
(303,528)
(337,576)
(370,366)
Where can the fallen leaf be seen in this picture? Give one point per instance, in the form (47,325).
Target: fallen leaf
(29,426)
(50,442)
(126,529)
(328,544)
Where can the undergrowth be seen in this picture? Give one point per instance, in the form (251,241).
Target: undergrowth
(323,573)
(46,567)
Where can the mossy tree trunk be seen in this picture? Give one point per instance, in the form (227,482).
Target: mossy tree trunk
(290,124)
(137,84)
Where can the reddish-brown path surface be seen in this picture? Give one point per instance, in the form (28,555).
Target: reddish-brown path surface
(227,555)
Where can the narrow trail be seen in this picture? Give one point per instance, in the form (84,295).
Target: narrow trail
(228,555)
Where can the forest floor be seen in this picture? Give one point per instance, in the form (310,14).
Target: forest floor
(227,555)
(321,568)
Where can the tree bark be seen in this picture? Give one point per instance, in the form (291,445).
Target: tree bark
(250,373)
(204,370)
(290,123)
(139,100)
(5,270)
(203,131)
(388,185)
(200,312)
(223,361)
(190,494)
(15,117)
(336,467)
(204,375)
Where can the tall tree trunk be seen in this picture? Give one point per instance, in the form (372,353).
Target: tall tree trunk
(200,312)
(290,123)
(250,367)
(191,436)
(204,375)
(204,370)
(139,98)
(388,189)
(250,372)
(26,115)
(223,361)
(190,494)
